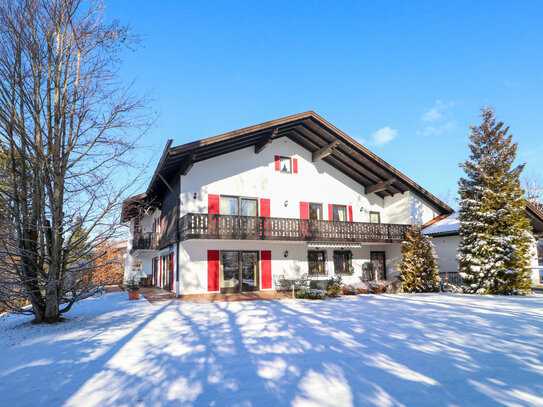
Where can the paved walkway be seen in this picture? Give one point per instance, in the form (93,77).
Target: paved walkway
(155,294)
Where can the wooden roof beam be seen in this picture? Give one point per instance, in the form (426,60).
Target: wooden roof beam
(325,151)
(187,165)
(265,141)
(381,186)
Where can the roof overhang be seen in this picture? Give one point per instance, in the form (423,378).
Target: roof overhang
(536,217)
(309,130)
(135,206)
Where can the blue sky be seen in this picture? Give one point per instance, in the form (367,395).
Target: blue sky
(405,78)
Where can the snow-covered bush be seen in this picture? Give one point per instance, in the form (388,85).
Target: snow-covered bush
(368,287)
(333,286)
(311,294)
(452,288)
(418,269)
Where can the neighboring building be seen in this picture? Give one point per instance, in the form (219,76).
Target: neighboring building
(287,198)
(446,239)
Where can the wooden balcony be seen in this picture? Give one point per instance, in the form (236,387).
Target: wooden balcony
(145,241)
(207,226)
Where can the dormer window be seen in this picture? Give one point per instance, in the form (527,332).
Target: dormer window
(285,165)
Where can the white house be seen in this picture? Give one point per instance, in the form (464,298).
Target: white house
(446,239)
(280,200)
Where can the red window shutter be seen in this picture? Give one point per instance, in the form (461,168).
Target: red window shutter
(265,266)
(171,271)
(295,165)
(330,212)
(265,207)
(304,210)
(213,202)
(212,270)
(350,213)
(277,163)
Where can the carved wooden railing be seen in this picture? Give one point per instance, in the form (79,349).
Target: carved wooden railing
(207,226)
(145,241)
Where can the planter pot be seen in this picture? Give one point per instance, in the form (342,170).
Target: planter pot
(134,295)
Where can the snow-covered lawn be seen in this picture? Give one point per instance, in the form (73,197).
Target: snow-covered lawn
(386,350)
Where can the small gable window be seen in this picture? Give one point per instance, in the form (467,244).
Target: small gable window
(285,164)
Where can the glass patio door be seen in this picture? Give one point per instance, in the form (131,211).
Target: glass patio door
(229,274)
(239,272)
(249,271)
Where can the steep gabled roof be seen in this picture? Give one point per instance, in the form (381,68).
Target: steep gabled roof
(310,131)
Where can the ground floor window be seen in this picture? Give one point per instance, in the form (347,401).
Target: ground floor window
(316,262)
(343,261)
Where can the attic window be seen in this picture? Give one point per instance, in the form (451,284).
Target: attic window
(285,165)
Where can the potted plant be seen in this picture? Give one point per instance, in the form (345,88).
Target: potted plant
(133,289)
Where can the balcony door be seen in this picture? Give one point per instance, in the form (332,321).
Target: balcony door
(239,272)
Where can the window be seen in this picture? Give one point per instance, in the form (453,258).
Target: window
(229,205)
(249,207)
(315,211)
(233,205)
(315,261)
(285,164)
(342,261)
(339,213)
(375,217)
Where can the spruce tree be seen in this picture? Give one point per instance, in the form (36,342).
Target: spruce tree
(418,270)
(495,234)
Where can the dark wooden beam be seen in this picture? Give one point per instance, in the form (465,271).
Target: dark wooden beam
(326,150)
(187,165)
(265,141)
(165,182)
(381,186)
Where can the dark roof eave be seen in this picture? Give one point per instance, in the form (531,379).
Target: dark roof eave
(257,131)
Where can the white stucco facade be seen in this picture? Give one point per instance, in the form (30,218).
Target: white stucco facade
(243,173)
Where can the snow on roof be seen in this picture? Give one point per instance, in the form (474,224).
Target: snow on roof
(450,224)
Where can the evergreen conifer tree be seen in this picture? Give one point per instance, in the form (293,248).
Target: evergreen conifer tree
(418,270)
(495,234)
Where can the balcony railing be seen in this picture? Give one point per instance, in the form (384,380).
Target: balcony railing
(207,226)
(145,241)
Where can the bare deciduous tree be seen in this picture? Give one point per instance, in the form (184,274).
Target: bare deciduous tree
(67,126)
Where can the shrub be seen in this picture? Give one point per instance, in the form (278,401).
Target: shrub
(311,294)
(333,286)
(131,285)
(371,287)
